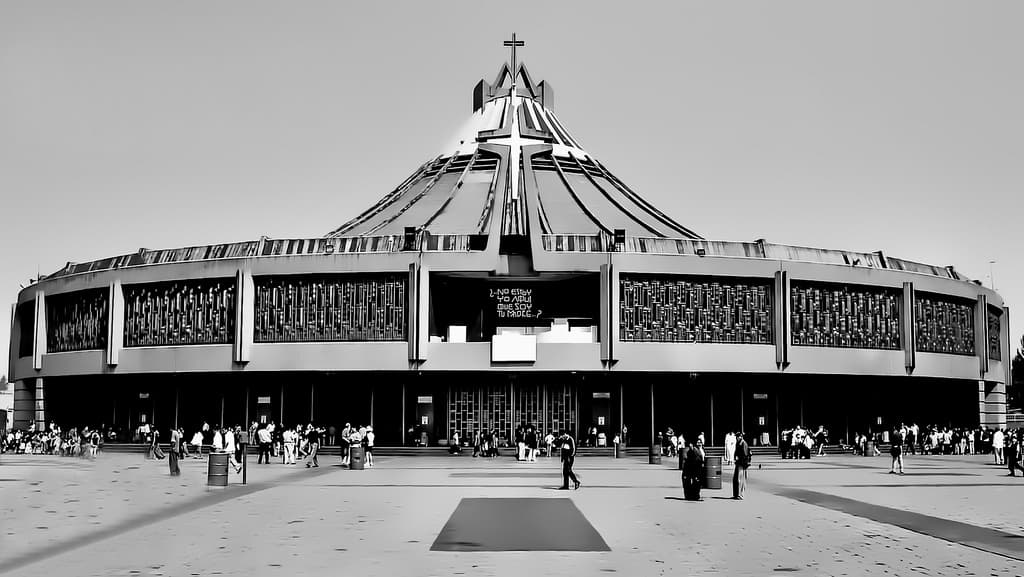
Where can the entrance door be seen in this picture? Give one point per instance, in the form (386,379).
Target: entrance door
(263,410)
(601,418)
(425,425)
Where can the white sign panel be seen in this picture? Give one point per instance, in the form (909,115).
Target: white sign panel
(513,348)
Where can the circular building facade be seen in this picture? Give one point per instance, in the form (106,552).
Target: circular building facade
(512,279)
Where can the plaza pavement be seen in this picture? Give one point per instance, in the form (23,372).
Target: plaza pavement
(834,515)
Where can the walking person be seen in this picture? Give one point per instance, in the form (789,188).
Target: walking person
(230,447)
(313,440)
(739,476)
(197,444)
(218,440)
(568,453)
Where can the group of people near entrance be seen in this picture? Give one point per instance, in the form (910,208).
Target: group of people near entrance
(83,442)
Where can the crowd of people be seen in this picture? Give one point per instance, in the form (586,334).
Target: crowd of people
(53,440)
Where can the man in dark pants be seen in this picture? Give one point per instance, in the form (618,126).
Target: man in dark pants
(568,454)
(1012,451)
(739,477)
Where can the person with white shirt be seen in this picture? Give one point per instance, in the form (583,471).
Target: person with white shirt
(730,448)
(218,440)
(289,446)
(229,447)
(197,443)
(368,440)
(998,443)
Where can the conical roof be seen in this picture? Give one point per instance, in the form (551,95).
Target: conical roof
(513,155)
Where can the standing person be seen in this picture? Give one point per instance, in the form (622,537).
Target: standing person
(313,440)
(174,452)
(739,476)
(730,447)
(1013,449)
(288,438)
(476,443)
(896,450)
(368,442)
(549,442)
(263,436)
(531,444)
(693,467)
(568,448)
(346,433)
(998,442)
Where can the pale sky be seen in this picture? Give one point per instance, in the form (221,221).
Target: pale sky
(861,125)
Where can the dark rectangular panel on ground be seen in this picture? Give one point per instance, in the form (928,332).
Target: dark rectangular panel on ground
(518,524)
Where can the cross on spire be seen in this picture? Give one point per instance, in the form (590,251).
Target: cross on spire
(513,43)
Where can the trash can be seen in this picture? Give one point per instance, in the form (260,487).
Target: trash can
(218,470)
(869,450)
(620,451)
(713,473)
(356,458)
(655,455)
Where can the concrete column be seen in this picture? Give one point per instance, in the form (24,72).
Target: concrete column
(622,414)
(422,313)
(991,404)
(652,413)
(24,404)
(711,439)
(245,316)
(782,329)
(981,334)
(115,322)
(609,311)
(39,331)
(11,351)
(40,404)
(743,419)
(177,395)
(908,326)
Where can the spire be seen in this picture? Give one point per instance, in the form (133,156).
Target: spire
(515,71)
